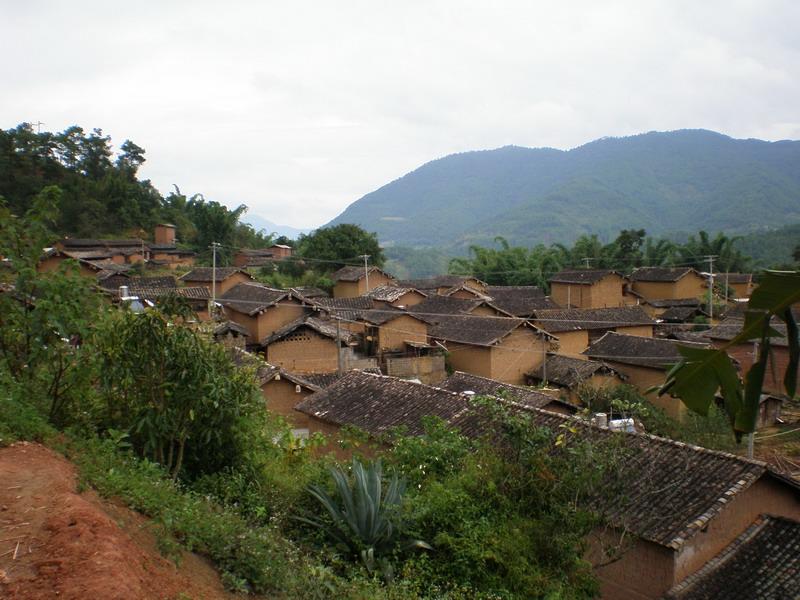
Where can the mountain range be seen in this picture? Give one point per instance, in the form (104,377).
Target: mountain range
(668,183)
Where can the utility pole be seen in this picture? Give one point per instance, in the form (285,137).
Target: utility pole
(586,260)
(711,258)
(366,269)
(213,277)
(339,365)
(750,439)
(38,126)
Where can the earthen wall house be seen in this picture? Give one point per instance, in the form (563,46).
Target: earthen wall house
(507,360)
(659,568)
(164,234)
(587,289)
(393,335)
(304,351)
(351,282)
(266,323)
(227,277)
(656,283)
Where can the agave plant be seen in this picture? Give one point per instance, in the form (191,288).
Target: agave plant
(365,518)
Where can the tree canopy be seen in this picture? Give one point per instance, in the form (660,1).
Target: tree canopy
(340,245)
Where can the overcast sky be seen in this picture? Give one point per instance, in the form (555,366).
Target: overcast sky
(299,108)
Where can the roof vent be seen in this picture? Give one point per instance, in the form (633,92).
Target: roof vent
(124,292)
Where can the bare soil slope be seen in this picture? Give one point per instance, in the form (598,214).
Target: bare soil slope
(56,543)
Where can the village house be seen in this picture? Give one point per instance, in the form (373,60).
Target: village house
(311,344)
(347,310)
(467,383)
(674,308)
(577,328)
(350,282)
(52,258)
(152,291)
(218,280)
(399,341)
(672,510)
(644,361)
(519,300)
(763,562)
(741,284)
(246,257)
(163,250)
(569,375)
(587,288)
(261,310)
(435,305)
(499,348)
(394,296)
(231,335)
(446,285)
(661,283)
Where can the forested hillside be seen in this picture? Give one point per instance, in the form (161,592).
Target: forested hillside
(663,182)
(101,194)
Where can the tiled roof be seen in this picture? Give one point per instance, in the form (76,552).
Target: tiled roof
(390,293)
(190,293)
(673,302)
(574,319)
(355,303)
(206,273)
(264,371)
(349,309)
(680,314)
(256,252)
(582,276)
(730,328)
(97,254)
(151,282)
(570,372)
(230,327)
(672,490)
(733,277)
(762,563)
(635,350)
(376,403)
(519,300)
(466,382)
(251,298)
(354,273)
(309,292)
(93,243)
(324,327)
(438,281)
(379,316)
(472,329)
(663,274)
(444,305)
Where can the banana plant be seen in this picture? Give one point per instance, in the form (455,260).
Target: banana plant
(702,372)
(365,517)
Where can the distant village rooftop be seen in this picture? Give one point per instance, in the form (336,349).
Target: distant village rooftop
(661,274)
(582,276)
(636,350)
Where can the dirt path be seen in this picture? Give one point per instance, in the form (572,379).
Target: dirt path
(56,543)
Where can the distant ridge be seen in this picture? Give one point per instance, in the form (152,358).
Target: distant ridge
(664,182)
(260,223)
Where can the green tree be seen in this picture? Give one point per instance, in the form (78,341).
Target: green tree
(178,395)
(44,317)
(338,246)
